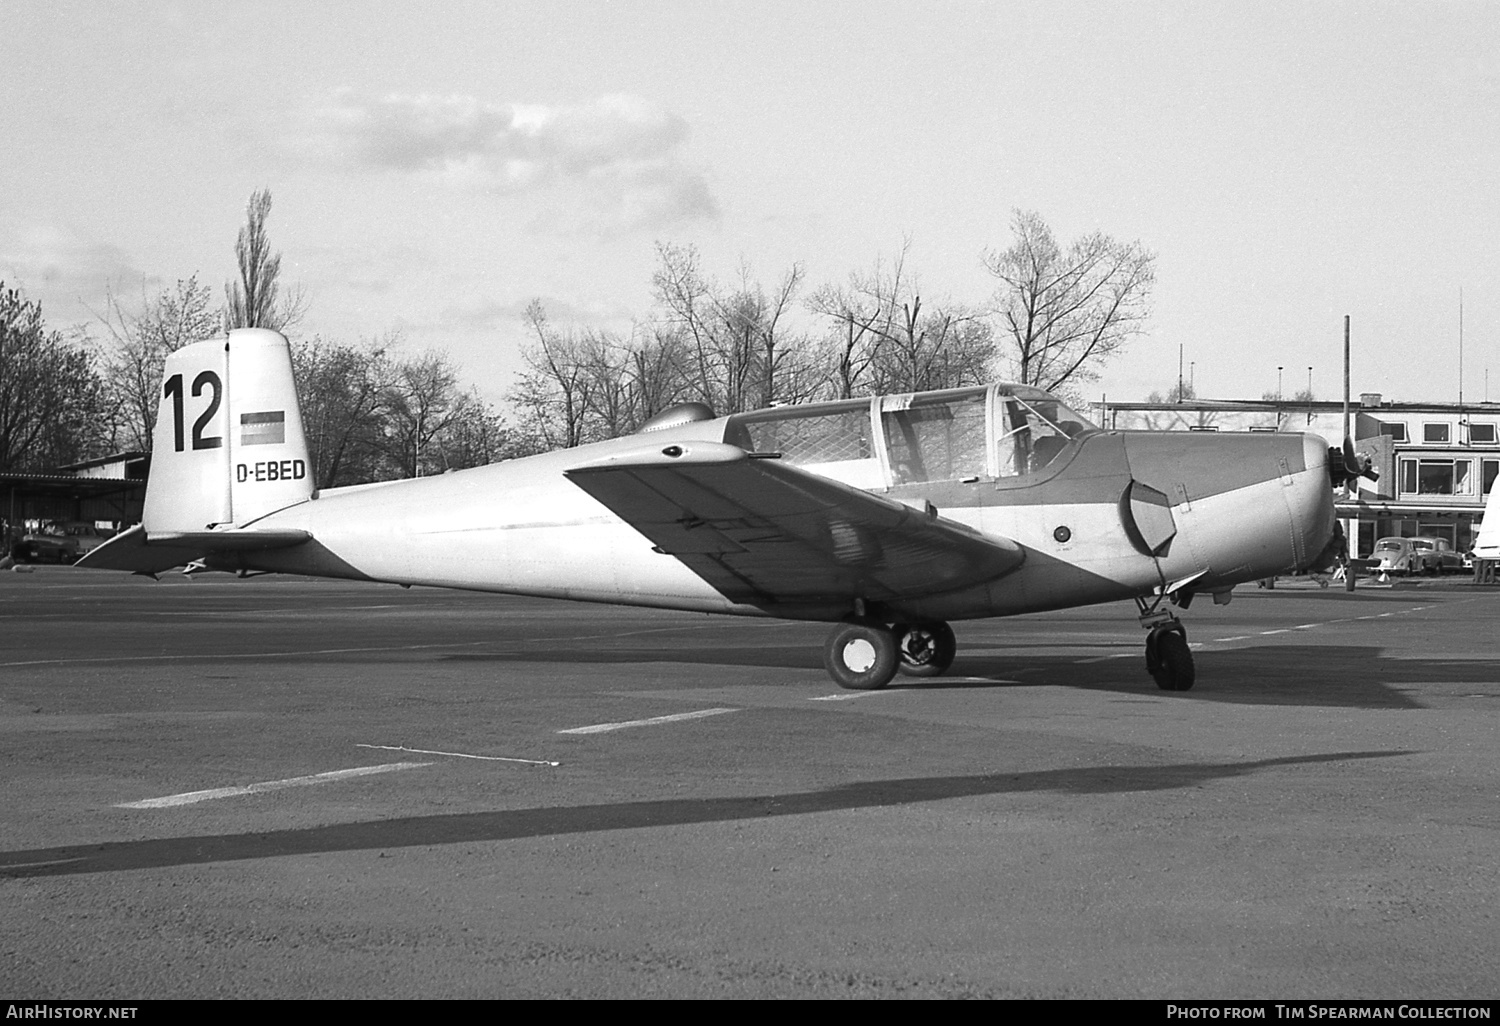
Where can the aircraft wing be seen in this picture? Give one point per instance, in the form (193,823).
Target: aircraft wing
(761,531)
(133,550)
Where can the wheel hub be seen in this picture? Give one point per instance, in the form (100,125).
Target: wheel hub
(859,655)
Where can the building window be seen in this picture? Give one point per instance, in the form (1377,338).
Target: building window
(1481,434)
(1396,431)
(1436,434)
(1491,470)
(1437,477)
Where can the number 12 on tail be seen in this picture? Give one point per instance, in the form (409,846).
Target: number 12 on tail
(172,390)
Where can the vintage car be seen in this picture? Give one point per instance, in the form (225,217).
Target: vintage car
(48,542)
(56,541)
(1424,555)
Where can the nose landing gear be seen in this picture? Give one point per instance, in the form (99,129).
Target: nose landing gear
(864,655)
(1168,658)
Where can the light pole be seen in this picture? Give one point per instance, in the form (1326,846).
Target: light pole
(1278,397)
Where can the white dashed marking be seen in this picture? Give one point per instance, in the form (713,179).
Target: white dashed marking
(600,728)
(461,755)
(191,797)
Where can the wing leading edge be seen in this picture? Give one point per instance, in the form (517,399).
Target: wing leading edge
(767,534)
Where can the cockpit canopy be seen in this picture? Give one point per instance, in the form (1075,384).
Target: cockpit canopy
(958,434)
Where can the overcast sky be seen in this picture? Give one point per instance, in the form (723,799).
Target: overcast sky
(435,167)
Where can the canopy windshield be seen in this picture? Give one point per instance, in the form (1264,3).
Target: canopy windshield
(956,434)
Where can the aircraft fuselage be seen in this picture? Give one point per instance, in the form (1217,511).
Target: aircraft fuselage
(1241,507)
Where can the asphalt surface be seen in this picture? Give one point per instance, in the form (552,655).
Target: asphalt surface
(1316,819)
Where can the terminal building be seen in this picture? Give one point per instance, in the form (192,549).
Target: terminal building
(1437,461)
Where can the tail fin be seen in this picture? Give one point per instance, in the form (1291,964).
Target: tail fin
(228,446)
(1487,544)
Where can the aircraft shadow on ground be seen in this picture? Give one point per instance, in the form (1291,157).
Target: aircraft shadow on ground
(1299,675)
(1348,676)
(519,824)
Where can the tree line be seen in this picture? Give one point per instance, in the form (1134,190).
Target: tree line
(1057,314)
(373,411)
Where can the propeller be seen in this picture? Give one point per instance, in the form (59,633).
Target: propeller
(1345,466)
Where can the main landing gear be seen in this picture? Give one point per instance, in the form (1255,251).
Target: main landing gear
(865,655)
(1168,658)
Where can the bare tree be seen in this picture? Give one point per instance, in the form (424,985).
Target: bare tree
(885,340)
(420,403)
(656,368)
(555,391)
(50,397)
(342,390)
(1063,312)
(741,353)
(476,436)
(256,300)
(859,313)
(137,349)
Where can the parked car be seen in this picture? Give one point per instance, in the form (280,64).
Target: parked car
(1422,555)
(48,543)
(87,535)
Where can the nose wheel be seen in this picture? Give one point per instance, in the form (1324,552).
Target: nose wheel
(1168,658)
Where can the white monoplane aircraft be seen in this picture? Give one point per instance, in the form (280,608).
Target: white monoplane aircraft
(888,517)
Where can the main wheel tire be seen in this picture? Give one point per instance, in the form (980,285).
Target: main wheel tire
(861,656)
(1173,662)
(926,649)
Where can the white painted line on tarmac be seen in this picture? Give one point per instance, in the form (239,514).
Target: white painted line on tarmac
(1112,655)
(844,696)
(601,728)
(191,797)
(460,755)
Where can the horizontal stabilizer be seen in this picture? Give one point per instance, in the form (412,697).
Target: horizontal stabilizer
(134,550)
(764,532)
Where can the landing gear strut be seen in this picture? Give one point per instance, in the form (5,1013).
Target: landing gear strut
(1168,658)
(865,655)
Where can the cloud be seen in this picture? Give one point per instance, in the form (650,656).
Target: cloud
(67,273)
(489,314)
(620,155)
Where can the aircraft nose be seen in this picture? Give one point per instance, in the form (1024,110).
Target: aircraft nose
(1311,503)
(1258,503)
